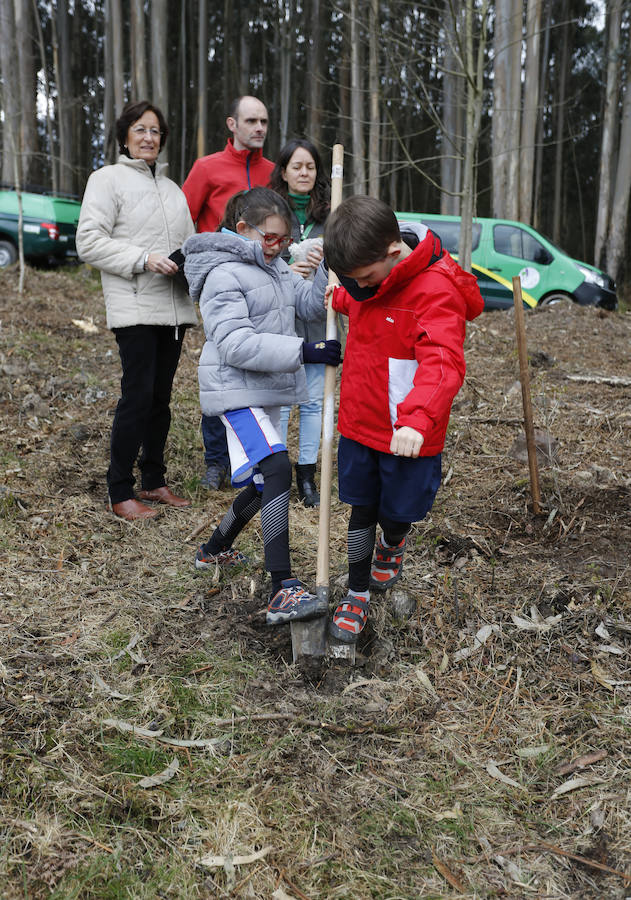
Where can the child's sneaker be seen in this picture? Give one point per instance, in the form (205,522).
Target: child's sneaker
(226,558)
(387,565)
(349,618)
(293,602)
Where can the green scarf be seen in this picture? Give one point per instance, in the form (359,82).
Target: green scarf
(299,204)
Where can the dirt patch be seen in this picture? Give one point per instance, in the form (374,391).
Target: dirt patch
(431,767)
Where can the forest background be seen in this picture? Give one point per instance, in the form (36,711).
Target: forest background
(513,109)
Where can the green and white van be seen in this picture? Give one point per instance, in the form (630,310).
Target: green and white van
(502,249)
(49,226)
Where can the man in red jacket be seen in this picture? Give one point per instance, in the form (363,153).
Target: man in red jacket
(239,166)
(210,184)
(407,303)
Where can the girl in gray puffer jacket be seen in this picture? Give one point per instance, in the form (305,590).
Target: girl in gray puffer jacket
(250,366)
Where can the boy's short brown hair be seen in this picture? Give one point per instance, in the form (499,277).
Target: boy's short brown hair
(359,233)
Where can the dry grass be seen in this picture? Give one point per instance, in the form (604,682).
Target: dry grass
(422,772)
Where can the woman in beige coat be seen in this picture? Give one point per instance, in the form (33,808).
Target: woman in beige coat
(132,218)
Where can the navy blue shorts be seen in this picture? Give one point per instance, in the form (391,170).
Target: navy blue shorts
(402,488)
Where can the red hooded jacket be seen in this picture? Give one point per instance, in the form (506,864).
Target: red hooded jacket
(404,358)
(214,179)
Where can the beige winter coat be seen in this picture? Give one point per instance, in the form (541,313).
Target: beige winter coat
(125,213)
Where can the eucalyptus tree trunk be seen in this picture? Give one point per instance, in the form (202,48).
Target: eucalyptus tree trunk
(344,83)
(202,79)
(10,93)
(52,155)
(620,207)
(286,9)
(453,117)
(245,49)
(28,141)
(357,106)
(108,93)
(315,68)
(474,70)
(530,111)
(374,162)
(115,26)
(543,82)
(501,94)
(139,83)
(228,87)
(61,59)
(183,76)
(561,83)
(159,65)
(514,110)
(610,112)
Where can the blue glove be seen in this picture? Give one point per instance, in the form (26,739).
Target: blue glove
(328,352)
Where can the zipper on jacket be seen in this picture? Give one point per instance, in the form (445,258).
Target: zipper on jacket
(166,227)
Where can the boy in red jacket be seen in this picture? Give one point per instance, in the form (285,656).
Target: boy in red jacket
(407,302)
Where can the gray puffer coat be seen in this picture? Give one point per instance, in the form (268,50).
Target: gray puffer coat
(252,355)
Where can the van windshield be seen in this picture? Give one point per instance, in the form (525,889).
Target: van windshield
(449,233)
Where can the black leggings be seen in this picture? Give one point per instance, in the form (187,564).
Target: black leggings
(362,529)
(274,506)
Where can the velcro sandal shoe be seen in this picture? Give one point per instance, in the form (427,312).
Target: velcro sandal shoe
(387,565)
(349,619)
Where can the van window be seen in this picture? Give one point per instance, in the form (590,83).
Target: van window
(513,241)
(449,233)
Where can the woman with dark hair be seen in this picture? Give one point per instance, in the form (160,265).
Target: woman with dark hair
(299,177)
(132,219)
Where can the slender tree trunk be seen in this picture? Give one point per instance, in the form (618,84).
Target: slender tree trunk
(183,55)
(453,117)
(344,86)
(614,17)
(374,162)
(52,155)
(561,81)
(228,88)
(159,65)
(620,207)
(109,150)
(357,106)
(474,68)
(118,72)
(10,94)
(202,79)
(315,68)
(514,112)
(139,83)
(245,49)
(62,59)
(286,59)
(543,89)
(28,142)
(530,110)
(501,86)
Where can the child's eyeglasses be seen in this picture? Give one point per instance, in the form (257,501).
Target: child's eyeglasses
(271,240)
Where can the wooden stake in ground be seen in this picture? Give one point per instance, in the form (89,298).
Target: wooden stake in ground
(524,377)
(309,638)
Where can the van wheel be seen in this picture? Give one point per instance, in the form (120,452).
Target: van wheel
(8,254)
(554,298)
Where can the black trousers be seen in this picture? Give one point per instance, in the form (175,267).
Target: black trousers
(149,357)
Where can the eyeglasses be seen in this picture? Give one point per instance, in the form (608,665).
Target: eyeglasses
(271,240)
(140,129)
